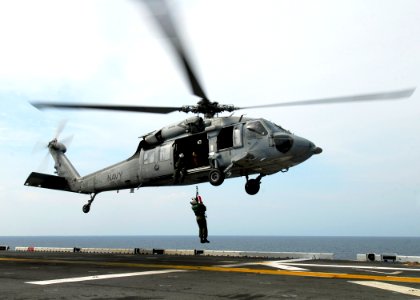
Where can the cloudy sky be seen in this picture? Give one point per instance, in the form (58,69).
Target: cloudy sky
(366,182)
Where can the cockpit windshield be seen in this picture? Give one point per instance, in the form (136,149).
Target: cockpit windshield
(257,127)
(275,128)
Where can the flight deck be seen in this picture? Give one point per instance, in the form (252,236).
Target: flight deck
(46,274)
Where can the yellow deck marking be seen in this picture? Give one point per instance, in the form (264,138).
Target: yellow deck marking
(223,269)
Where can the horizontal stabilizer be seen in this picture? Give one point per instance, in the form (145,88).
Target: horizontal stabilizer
(47,182)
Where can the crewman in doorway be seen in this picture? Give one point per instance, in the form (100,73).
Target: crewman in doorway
(180,169)
(200,213)
(194,159)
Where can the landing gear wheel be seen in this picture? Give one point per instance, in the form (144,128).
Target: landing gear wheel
(216,177)
(252,186)
(86,208)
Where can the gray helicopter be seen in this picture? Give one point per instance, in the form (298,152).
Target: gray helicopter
(203,148)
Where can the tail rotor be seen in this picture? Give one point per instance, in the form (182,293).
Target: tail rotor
(55,144)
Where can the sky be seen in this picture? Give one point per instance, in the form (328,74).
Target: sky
(365,183)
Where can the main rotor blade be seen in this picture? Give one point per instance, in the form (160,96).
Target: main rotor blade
(147,109)
(163,18)
(355,98)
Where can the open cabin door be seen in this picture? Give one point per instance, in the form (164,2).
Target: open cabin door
(195,149)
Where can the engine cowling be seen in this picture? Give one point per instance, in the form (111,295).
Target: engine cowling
(190,125)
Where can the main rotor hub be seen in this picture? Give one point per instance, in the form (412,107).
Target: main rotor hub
(207,108)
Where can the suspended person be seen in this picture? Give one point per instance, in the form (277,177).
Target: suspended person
(200,212)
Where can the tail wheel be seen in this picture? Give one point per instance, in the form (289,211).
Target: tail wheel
(86,208)
(252,186)
(216,177)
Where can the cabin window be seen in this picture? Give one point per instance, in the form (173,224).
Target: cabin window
(149,157)
(257,127)
(237,136)
(165,152)
(225,138)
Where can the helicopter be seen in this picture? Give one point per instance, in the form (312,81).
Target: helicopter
(207,147)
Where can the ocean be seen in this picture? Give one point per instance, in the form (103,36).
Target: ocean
(342,247)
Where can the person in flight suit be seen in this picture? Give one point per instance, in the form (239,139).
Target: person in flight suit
(200,213)
(180,169)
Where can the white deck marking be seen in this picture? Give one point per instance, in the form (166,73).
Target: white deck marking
(390,287)
(238,265)
(385,273)
(296,264)
(278,264)
(285,261)
(355,267)
(98,277)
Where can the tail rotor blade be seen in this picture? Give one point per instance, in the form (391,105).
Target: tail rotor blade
(44,146)
(67,140)
(44,163)
(60,128)
(38,147)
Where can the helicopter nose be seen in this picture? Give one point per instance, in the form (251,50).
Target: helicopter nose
(296,145)
(316,150)
(304,149)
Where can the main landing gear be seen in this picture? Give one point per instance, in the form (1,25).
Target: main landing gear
(252,186)
(86,207)
(216,177)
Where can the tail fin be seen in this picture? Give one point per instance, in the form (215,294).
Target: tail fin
(62,165)
(68,177)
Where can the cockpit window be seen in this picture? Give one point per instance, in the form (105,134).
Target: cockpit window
(274,127)
(256,126)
